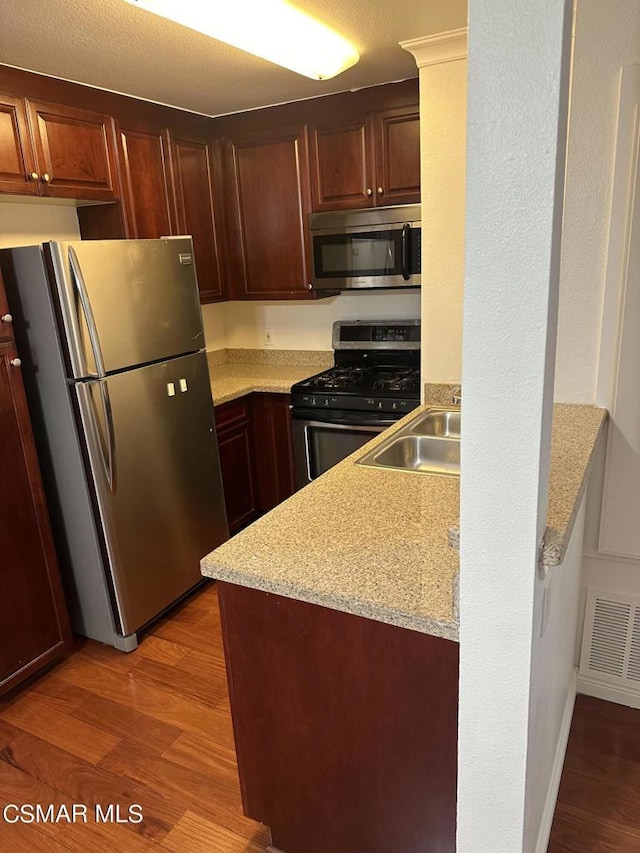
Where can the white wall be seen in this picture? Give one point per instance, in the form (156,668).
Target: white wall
(553,685)
(300,325)
(607,36)
(604,43)
(517,93)
(28,223)
(443,116)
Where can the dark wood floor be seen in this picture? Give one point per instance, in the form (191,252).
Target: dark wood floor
(598,809)
(154,728)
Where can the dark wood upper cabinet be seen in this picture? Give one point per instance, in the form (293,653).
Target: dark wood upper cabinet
(34,627)
(366,161)
(196,173)
(17,166)
(74,152)
(397,135)
(269,185)
(149,208)
(342,164)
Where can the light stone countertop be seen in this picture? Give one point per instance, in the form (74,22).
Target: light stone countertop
(361,540)
(375,543)
(576,434)
(235,373)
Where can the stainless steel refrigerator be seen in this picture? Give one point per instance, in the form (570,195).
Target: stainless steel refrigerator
(112,347)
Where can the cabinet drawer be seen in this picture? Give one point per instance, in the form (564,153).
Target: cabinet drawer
(231,414)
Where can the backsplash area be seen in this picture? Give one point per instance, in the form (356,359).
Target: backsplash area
(299,325)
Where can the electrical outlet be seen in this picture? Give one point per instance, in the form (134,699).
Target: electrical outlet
(268,338)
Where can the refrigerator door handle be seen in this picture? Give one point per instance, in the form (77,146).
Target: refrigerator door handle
(111,437)
(85,302)
(92,429)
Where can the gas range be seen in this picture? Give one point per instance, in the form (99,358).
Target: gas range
(380,387)
(377,369)
(375,381)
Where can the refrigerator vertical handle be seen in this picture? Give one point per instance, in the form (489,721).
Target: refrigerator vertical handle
(85,302)
(92,430)
(111,437)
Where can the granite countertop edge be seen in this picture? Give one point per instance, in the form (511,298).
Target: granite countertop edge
(356,607)
(556,542)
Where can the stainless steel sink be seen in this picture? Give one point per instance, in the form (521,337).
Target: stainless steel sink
(429,444)
(438,422)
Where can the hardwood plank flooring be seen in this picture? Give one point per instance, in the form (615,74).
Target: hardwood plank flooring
(154,727)
(598,809)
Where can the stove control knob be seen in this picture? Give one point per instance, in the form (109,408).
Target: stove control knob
(326,401)
(313,401)
(394,406)
(379,404)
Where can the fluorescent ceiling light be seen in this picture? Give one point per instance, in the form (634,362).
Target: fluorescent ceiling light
(271,29)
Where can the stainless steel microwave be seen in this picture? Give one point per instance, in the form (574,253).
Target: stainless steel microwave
(366,248)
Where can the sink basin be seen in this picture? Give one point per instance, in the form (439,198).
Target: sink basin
(429,444)
(438,422)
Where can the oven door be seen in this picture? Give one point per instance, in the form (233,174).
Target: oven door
(322,439)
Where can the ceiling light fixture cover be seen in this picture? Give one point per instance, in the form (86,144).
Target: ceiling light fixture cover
(271,29)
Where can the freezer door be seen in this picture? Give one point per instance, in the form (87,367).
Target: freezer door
(153,464)
(122,303)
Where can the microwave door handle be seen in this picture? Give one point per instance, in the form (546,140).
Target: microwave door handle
(405,241)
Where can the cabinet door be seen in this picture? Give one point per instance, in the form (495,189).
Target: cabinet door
(34,627)
(342,164)
(75,152)
(17,168)
(273,443)
(398,156)
(145,166)
(194,178)
(6,325)
(271,187)
(233,428)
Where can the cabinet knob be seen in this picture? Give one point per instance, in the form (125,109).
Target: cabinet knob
(46,177)
(309,287)
(33,176)
(16,362)
(369,191)
(6,318)
(380,190)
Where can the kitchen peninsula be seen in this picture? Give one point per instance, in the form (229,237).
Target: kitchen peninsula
(339,612)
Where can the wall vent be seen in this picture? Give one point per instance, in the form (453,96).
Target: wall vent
(611,639)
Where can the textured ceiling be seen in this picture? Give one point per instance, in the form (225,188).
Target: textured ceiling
(113,45)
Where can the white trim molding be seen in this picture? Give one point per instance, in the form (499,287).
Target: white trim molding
(608,692)
(436,49)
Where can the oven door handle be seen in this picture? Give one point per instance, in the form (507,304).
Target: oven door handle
(324,425)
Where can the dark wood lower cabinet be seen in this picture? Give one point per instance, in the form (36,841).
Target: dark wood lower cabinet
(273,447)
(34,626)
(233,429)
(256,455)
(345,728)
